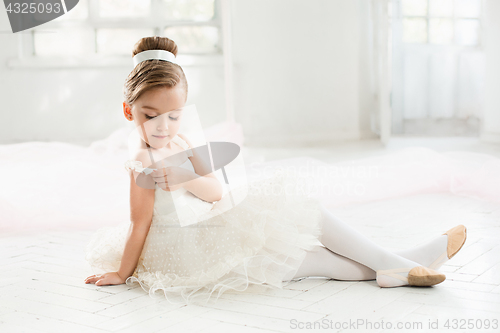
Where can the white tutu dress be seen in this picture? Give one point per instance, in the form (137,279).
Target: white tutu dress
(259,243)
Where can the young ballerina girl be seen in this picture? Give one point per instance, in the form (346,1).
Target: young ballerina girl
(267,240)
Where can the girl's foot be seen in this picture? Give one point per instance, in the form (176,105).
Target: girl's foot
(439,250)
(456,239)
(416,276)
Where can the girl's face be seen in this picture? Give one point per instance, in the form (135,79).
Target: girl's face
(157,114)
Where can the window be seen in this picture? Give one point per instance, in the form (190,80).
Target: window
(437,67)
(442,22)
(96,30)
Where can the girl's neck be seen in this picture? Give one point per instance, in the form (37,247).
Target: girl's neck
(170,148)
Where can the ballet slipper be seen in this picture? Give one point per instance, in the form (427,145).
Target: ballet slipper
(417,276)
(456,239)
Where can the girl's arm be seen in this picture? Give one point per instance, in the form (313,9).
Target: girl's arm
(141,214)
(205,187)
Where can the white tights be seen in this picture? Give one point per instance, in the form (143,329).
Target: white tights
(349,255)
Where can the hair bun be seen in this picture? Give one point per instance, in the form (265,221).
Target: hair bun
(155,43)
(153,73)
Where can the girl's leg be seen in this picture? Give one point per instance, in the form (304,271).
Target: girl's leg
(428,253)
(332,265)
(340,238)
(328,264)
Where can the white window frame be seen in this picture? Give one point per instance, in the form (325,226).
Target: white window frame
(454,18)
(400,47)
(27,59)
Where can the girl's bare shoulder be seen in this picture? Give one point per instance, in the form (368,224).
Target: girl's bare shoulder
(183,137)
(143,156)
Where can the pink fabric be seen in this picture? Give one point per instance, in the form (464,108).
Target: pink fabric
(408,171)
(47,185)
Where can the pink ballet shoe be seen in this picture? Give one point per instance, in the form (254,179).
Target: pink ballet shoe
(417,276)
(456,239)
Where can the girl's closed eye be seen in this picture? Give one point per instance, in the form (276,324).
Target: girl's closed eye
(171,118)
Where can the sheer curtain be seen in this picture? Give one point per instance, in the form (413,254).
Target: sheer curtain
(438,66)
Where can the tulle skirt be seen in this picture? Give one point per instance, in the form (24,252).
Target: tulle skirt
(256,245)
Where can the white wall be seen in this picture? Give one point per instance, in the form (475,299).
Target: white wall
(297,70)
(300,78)
(491,117)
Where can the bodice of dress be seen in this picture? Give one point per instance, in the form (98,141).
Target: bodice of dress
(174,207)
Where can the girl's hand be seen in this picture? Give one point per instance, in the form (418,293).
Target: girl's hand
(172,178)
(105,279)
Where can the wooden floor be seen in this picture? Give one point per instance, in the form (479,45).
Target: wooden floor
(42,285)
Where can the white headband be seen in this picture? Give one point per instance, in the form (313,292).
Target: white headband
(153,54)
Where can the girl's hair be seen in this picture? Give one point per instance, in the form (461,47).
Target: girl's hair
(153,73)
